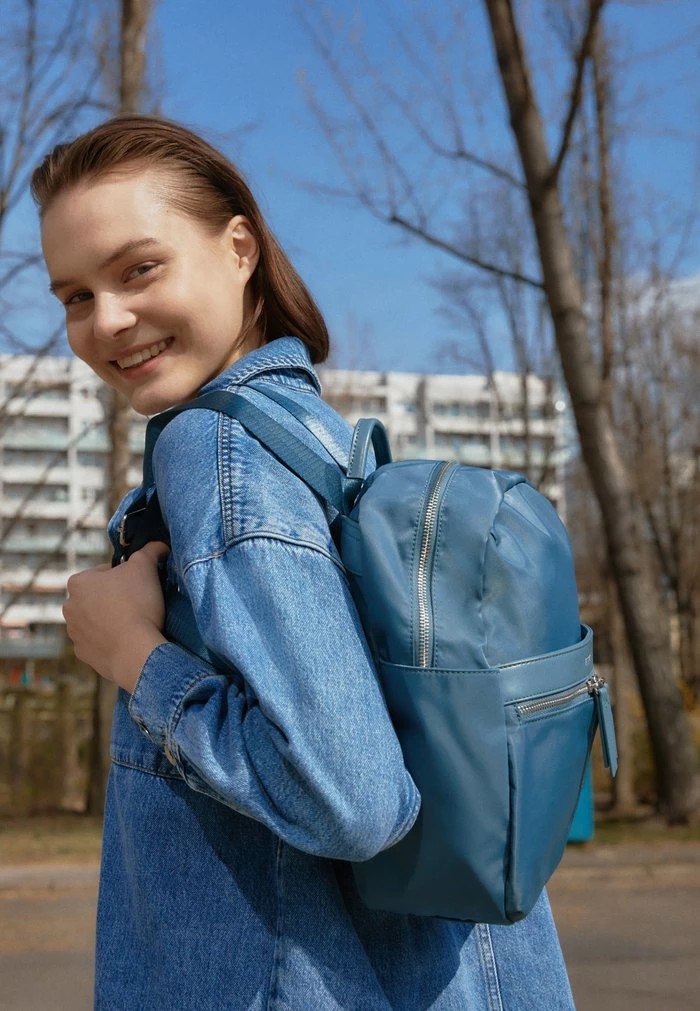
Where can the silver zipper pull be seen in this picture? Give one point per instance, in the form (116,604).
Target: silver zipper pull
(598,688)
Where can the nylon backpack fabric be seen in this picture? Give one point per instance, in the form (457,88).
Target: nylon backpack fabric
(464,582)
(498,794)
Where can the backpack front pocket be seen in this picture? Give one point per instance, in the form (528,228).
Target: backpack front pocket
(549,742)
(451,729)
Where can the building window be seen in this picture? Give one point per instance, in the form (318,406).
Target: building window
(517,445)
(459,441)
(461,409)
(31,391)
(37,428)
(87,459)
(36,597)
(33,458)
(36,492)
(91,494)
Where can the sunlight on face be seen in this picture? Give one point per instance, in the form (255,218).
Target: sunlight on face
(154,302)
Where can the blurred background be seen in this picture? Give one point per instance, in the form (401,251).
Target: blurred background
(496,206)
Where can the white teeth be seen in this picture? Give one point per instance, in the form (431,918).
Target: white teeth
(142,356)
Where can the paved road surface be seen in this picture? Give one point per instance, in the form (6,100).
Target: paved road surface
(46,938)
(629,928)
(628,919)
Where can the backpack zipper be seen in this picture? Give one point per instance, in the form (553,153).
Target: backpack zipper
(597,687)
(591,687)
(425,617)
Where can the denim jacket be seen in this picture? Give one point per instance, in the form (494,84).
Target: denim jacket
(255,757)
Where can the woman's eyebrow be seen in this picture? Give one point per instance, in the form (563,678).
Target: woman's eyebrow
(128,247)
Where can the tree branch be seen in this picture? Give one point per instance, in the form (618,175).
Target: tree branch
(458,151)
(576,92)
(601,88)
(460,254)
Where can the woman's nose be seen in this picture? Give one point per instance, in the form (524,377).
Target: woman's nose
(111,317)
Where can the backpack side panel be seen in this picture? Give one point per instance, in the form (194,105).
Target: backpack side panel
(529,599)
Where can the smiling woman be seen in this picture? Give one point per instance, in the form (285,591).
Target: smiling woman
(154,302)
(252,752)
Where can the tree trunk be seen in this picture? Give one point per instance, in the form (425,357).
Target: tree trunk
(132,67)
(631,560)
(625,800)
(689,646)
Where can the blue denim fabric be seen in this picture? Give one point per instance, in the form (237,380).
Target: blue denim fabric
(255,756)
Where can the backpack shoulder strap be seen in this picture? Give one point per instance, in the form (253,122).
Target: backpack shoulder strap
(321,477)
(310,421)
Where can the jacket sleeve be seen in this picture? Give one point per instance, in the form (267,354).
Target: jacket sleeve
(291,728)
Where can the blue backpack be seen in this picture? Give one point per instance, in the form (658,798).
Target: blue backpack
(464,581)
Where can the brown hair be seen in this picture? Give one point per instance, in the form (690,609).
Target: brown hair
(213,191)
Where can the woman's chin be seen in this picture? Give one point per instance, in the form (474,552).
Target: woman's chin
(151,401)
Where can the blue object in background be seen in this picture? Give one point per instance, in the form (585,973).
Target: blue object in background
(582,826)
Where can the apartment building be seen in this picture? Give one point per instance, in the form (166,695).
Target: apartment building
(499,421)
(53,456)
(53,451)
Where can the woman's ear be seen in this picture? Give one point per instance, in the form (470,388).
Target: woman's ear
(244,245)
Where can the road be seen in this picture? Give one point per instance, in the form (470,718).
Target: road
(627,916)
(629,928)
(47,919)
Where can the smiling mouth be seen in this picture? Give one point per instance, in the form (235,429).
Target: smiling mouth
(139,357)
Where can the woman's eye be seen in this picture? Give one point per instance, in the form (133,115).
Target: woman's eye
(139,270)
(77,298)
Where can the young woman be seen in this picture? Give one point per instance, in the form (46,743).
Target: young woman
(252,752)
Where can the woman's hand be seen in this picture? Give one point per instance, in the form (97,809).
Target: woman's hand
(115,616)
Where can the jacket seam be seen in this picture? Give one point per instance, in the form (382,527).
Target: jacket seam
(266,535)
(279,361)
(487,957)
(225,464)
(149,772)
(275,966)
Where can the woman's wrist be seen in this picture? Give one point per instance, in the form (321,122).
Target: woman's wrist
(129,659)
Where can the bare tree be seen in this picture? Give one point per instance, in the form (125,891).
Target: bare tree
(630,556)
(439,108)
(131,91)
(474,303)
(49,77)
(48,83)
(56,75)
(658,410)
(131,95)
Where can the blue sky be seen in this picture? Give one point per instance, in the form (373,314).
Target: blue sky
(234,65)
(232,70)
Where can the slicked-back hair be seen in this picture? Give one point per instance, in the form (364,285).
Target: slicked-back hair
(205,185)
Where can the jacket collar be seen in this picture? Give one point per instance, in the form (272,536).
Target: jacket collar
(283,354)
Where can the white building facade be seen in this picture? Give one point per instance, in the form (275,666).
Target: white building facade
(54,455)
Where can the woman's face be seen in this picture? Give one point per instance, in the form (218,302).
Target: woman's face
(154,302)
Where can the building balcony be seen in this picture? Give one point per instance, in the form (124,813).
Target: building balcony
(40,407)
(25,615)
(15,438)
(461,425)
(45,581)
(31,509)
(30,473)
(93,441)
(34,544)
